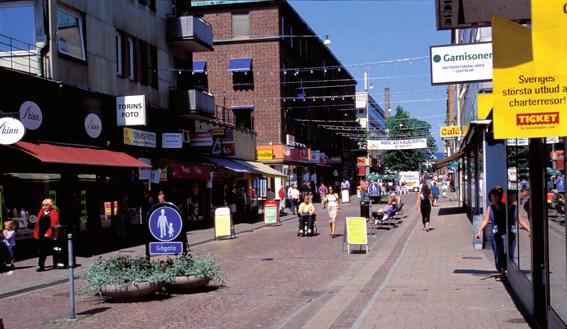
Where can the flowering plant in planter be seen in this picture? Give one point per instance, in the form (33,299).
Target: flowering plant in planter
(124,273)
(198,267)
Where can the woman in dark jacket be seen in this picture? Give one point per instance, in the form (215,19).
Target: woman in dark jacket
(424,201)
(47,218)
(496,215)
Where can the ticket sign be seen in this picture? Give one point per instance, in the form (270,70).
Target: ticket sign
(530,92)
(450,131)
(270,212)
(223,222)
(356,230)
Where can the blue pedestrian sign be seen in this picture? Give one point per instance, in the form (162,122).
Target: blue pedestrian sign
(165,223)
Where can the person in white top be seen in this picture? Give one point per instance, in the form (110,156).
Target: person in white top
(333,204)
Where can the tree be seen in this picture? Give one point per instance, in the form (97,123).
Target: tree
(403,126)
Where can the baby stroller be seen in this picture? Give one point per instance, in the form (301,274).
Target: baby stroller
(307,225)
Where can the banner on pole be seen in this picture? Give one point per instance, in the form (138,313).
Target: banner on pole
(402,144)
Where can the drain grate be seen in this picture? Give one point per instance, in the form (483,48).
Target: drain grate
(471,257)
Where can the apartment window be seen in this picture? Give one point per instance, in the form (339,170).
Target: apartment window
(144,64)
(70,34)
(291,36)
(17,21)
(131,47)
(153,67)
(119,60)
(240,25)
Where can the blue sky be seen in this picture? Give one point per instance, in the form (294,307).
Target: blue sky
(365,34)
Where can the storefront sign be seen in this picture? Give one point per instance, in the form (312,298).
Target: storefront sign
(270,212)
(172,140)
(289,140)
(218,132)
(356,230)
(296,154)
(530,93)
(315,156)
(335,159)
(223,222)
(145,173)
(201,139)
(228,149)
(139,138)
(461,63)
(402,144)
(188,171)
(517,142)
(93,125)
(450,131)
(228,135)
(131,110)
(156,176)
(265,154)
(30,115)
(11,131)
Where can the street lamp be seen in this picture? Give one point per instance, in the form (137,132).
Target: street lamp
(327,41)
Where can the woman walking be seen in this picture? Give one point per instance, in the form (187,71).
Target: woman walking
(333,204)
(424,201)
(48,217)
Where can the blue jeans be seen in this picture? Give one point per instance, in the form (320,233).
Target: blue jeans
(362,196)
(12,252)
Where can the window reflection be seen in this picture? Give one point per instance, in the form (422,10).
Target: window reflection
(556,231)
(70,34)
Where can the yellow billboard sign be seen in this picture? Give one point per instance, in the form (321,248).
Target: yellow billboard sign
(356,230)
(485,103)
(450,131)
(265,154)
(529,91)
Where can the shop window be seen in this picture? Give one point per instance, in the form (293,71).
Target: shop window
(70,38)
(556,229)
(519,203)
(240,25)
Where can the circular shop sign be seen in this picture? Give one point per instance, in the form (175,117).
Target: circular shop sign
(31,115)
(11,131)
(93,125)
(165,223)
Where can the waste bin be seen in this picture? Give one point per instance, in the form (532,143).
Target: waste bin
(60,247)
(364,209)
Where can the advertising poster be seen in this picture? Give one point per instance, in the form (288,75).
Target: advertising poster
(270,212)
(356,230)
(530,93)
(401,144)
(223,223)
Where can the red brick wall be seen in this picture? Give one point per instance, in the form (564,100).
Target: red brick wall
(265,63)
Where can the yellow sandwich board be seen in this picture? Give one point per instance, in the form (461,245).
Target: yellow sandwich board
(223,223)
(356,232)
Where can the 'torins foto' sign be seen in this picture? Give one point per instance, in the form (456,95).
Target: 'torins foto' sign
(131,110)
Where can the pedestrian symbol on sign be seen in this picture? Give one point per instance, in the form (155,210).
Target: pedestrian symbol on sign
(165,223)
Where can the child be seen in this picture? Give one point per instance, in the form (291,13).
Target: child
(10,241)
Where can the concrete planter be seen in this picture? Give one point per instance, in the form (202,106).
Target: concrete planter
(188,283)
(130,291)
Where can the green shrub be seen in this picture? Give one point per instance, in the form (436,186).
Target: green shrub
(122,270)
(198,265)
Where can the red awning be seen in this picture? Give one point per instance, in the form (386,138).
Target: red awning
(50,153)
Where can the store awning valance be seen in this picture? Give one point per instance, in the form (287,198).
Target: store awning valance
(448,160)
(242,108)
(232,165)
(199,66)
(74,155)
(240,64)
(263,169)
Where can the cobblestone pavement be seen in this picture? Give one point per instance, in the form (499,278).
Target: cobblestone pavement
(275,279)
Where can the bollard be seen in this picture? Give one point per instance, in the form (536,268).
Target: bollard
(71,266)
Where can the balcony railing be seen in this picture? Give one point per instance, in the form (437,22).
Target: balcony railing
(191,32)
(192,101)
(19,55)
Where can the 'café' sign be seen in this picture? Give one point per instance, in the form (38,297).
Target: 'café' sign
(11,131)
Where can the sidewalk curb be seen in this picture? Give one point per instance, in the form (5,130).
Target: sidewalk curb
(80,272)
